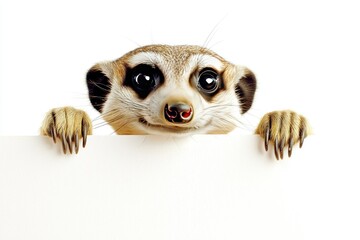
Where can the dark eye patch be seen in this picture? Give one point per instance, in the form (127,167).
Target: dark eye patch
(143,79)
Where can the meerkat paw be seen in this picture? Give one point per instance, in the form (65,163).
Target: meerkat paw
(283,129)
(68,124)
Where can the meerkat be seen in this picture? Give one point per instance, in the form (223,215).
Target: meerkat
(172,90)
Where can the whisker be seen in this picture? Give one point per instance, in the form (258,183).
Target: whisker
(212,33)
(130,120)
(249,113)
(102,86)
(132,41)
(100,125)
(236,123)
(215,44)
(224,117)
(104,114)
(221,106)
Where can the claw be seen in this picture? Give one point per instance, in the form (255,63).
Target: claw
(53,132)
(76,143)
(267,138)
(63,142)
(276,150)
(84,134)
(69,142)
(302,137)
(291,143)
(281,146)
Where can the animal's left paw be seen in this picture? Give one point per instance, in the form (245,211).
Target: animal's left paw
(283,129)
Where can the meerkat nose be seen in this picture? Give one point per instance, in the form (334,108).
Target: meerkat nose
(178,112)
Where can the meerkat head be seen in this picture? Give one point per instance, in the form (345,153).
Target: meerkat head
(160,89)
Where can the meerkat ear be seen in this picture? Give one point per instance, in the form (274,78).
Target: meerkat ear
(245,90)
(99,86)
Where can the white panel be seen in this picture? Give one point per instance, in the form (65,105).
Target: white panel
(202,187)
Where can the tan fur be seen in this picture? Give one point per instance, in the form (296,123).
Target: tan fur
(179,64)
(285,129)
(175,56)
(176,63)
(68,124)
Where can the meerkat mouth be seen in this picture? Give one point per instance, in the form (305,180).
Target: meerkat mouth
(168,129)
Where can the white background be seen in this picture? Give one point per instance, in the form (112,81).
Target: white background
(306,55)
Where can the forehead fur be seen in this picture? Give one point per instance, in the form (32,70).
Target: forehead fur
(178,58)
(181,51)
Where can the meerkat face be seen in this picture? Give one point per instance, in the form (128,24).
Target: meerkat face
(177,90)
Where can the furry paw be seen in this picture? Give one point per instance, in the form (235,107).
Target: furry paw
(69,125)
(283,128)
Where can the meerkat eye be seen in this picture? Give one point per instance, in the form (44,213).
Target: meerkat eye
(144,81)
(208,81)
(144,78)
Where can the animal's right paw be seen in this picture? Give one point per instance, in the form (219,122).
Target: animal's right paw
(68,124)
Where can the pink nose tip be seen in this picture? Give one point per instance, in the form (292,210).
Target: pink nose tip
(178,113)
